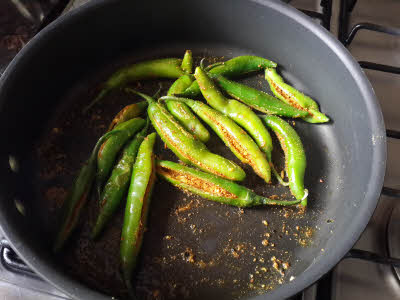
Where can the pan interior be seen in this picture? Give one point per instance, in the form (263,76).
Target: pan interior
(193,248)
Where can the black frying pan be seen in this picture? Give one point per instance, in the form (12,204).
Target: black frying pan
(58,72)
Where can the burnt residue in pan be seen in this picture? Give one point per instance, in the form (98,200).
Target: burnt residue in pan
(193,248)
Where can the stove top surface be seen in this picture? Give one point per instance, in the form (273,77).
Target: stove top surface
(351,278)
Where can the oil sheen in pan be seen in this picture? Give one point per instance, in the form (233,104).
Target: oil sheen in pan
(193,247)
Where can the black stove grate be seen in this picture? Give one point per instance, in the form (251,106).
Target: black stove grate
(324,16)
(346,37)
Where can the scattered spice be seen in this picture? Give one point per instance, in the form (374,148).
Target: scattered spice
(234,253)
(188,255)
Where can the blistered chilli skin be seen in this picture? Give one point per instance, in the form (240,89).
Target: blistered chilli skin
(128,112)
(241,65)
(289,98)
(118,182)
(240,143)
(136,210)
(246,118)
(77,195)
(287,91)
(257,99)
(234,67)
(213,187)
(158,68)
(294,97)
(182,113)
(295,158)
(109,150)
(187,62)
(189,149)
(235,110)
(197,183)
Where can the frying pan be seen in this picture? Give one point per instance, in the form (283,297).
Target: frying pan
(193,248)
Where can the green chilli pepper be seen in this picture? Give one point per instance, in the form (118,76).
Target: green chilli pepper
(187,62)
(188,148)
(235,110)
(234,137)
(109,150)
(295,157)
(137,207)
(257,99)
(294,97)
(118,183)
(158,68)
(241,114)
(128,112)
(213,187)
(182,113)
(78,195)
(234,67)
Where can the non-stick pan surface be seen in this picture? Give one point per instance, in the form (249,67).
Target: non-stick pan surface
(193,248)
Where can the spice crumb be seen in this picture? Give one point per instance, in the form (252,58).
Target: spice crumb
(234,253)
(285,265)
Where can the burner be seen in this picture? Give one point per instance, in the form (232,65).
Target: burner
(393,237)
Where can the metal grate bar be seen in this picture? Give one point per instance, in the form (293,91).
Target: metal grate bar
(53,14)
(351,5)
(390,192)
(371,27)
(379,67)
(394,134)
(327,13)
(312,14)
(325,16)
(372,257)
(344,15)
(346,7)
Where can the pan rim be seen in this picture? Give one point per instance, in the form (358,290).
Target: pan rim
(75,289)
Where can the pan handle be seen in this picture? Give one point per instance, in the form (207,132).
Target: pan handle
(372,257)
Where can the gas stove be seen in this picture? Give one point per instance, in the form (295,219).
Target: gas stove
(370,29)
